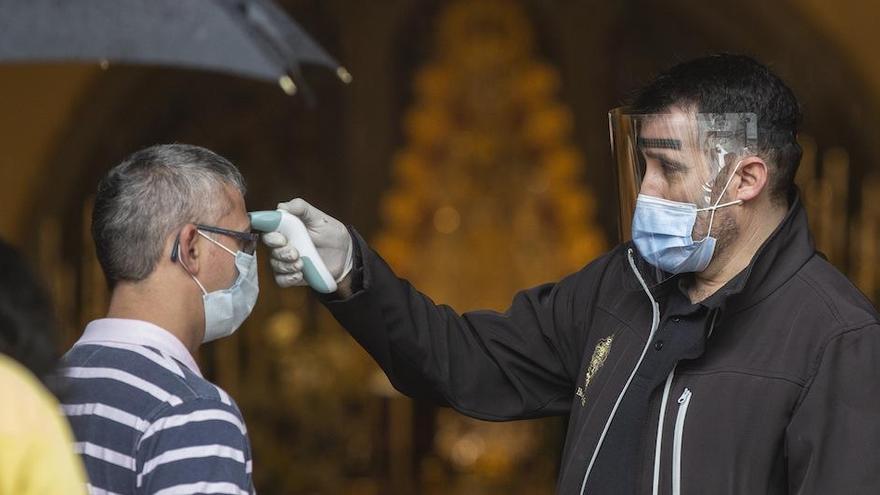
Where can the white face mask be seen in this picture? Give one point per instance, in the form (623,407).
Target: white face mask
(662,232)
(226,309)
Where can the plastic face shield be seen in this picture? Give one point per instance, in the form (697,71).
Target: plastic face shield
(677,156)
(684,161)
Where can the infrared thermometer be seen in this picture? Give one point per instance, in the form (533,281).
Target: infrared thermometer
(314,270)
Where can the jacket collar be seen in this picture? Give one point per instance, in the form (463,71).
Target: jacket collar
(776,261)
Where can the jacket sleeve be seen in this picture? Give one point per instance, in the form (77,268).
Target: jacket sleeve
(833,439)
(496,366)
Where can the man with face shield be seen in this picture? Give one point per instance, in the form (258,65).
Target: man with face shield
(713,352)
(173,238)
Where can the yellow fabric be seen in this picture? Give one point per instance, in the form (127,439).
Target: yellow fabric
(36,446)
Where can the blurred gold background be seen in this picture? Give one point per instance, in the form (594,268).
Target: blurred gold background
(471,149)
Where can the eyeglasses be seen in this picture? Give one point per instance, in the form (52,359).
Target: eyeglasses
(248,239)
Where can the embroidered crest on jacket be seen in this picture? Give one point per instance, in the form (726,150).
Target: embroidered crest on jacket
(600,354)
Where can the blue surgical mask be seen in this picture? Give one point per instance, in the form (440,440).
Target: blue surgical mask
(226,309)
(662,231)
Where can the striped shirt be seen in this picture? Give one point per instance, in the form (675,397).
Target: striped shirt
(145,420)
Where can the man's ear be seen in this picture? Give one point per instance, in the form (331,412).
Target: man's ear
(754,175)
(188,248)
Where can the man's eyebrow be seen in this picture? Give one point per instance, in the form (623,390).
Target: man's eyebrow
(661,143)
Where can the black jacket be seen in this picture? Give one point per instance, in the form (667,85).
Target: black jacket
(785,397)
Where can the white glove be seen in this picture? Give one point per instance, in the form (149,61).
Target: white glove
(329,235)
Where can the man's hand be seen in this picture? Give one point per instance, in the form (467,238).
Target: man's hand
(329,235)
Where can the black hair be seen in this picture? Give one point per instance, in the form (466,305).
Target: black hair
(27,322)
(727,83)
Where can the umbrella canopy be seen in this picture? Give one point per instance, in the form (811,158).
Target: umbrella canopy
(250,38)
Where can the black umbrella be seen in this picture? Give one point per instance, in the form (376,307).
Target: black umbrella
(251,38)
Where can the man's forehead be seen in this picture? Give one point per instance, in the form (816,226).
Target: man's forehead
(243,225)
(235,212)
(667,130)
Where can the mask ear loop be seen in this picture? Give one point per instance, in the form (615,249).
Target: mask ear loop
(718,204)
(175,255)
(222,247)
(206,236)
(202,287)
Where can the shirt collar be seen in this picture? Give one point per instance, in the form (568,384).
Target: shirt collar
(718,298)
(138,332)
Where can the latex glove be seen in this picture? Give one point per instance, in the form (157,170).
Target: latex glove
(329,235)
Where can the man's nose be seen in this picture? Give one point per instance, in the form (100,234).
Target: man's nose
(650,186)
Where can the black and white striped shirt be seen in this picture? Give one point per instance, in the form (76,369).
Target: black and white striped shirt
(145,420)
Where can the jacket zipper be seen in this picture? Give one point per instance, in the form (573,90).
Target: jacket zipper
(660,420)
(659,443)
(655,323)
(683,403)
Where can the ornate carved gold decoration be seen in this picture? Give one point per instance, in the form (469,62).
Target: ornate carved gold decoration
(487,198)
(487,193)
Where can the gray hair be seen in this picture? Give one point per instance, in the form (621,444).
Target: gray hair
(150,195)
